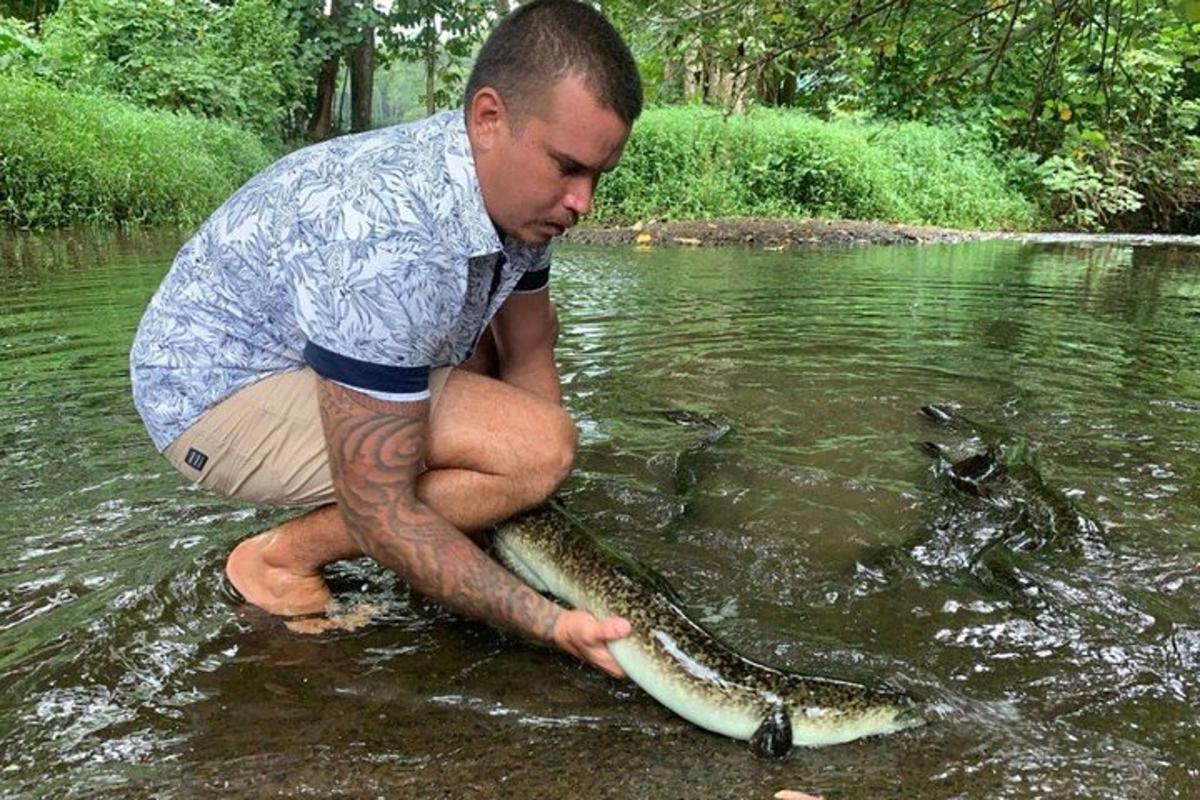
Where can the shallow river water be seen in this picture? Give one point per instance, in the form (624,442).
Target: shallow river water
(1059,651)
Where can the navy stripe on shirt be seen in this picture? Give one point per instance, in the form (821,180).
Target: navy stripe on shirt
(533,281)
(364,374)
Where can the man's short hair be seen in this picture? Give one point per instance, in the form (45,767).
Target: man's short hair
(540,43)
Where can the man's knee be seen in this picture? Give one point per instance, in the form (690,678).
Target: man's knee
(551,457)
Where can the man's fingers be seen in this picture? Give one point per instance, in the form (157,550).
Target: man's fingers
(612,672)
(614,628)
(582,635)
(788,794)
(609,664)
(604,632)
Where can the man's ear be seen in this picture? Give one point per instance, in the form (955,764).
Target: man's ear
(487,118)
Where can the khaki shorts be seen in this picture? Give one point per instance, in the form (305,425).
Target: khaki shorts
(265,443)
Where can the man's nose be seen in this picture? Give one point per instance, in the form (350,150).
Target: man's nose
(579,195)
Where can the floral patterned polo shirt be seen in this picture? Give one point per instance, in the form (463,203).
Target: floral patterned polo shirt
(370,258)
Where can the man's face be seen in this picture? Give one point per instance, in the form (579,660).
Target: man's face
(540,181)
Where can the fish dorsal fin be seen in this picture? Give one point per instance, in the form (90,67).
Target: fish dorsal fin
(773,738)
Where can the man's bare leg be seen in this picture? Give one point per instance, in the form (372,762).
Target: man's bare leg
(494,451)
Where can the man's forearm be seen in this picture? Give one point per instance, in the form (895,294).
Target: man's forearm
(440,562)
(374,460)
(536,375)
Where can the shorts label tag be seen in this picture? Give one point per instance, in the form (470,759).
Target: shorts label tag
(195,459)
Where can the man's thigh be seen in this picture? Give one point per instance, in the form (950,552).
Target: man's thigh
(486,425)
(265,443)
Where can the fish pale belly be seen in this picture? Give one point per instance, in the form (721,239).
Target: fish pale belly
(634,656)
(885,719)
(689,700)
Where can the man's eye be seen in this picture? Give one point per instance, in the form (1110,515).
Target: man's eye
(568,169)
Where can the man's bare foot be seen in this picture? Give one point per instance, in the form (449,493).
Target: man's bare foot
(354,619)
(272,585)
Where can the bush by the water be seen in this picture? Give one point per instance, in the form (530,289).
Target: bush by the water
(69,159)
(692,163)
(240,62)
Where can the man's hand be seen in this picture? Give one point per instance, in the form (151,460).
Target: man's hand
(586,638)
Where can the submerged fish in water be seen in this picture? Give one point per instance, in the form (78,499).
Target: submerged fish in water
(680,664)
(1031,513)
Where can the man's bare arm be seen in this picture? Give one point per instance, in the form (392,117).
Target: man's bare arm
(376,451)
(526,329)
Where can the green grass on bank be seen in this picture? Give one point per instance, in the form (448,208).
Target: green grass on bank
(71,159)
(694,163)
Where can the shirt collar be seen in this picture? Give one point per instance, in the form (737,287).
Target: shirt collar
(479,236)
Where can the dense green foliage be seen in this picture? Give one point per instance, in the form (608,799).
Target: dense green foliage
(1091,107)
(236,63)
(442,35)
(1104,95)
(251,62)
(67,158)
(692,163)
(19,49)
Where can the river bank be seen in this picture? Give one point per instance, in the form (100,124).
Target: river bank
(761,234)
(779,234)
(770,234)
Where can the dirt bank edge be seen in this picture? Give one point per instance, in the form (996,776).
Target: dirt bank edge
(768,234)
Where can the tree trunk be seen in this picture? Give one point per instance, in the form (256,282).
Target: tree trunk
(692,68)
(340,117)
(787,83)
(430,74)
(320,124)
(362,79)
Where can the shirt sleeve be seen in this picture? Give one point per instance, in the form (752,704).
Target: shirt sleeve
(536,277)
(375,312)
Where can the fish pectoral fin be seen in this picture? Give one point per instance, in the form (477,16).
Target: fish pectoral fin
(773,739)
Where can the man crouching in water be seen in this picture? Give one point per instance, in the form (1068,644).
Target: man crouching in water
(311,344)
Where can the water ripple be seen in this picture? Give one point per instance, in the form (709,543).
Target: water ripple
(811,534)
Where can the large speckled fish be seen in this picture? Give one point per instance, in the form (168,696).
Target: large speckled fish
(679,663)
